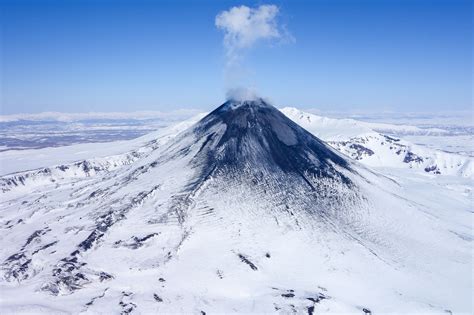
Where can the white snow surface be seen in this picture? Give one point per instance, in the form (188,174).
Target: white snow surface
(369,143)
(399,242)
(21,160)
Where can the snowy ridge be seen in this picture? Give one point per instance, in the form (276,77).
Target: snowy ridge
(378,150)
(335,127)
(19,161)
(22,182)
(362,142)
(60,173)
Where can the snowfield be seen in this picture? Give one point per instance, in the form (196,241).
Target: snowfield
(373,145)
(245,210)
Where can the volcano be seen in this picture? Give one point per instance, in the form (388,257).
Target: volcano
(243,211)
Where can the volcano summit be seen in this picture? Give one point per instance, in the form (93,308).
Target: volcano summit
(241,211)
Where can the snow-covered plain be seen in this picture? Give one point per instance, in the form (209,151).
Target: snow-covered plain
(240,212)
(35,131)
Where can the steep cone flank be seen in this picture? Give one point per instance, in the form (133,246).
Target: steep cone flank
(255,134)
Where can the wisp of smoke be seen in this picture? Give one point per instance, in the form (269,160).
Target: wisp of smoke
(243,27)
(241,94)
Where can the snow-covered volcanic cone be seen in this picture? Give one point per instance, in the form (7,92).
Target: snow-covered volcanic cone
(245,211)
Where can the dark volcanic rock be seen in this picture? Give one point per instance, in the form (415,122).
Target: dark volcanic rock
(256,132)
(412,157)
(247,261)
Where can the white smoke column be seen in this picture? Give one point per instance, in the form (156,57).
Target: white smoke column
(243,27)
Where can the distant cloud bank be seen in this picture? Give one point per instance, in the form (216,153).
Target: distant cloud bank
(175,115)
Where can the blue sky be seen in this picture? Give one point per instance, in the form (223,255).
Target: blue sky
(370,55)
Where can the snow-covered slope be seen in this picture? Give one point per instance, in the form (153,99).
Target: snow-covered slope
(21,160)
(244,211)
(370,144)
